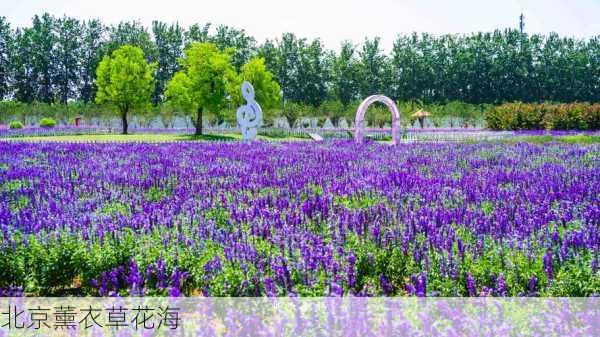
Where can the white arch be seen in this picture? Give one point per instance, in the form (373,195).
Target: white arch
(359,133)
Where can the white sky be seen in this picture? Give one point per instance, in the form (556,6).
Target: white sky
(332,20)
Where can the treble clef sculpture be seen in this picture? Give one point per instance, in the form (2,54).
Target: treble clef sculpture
(249,116)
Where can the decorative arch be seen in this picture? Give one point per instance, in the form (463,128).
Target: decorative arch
(359,133)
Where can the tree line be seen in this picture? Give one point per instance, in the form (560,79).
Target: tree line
(207,81)
(55,60)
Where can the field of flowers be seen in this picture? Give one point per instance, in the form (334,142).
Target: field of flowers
(299,218)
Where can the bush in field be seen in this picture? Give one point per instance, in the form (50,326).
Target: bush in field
(15,125)
(54,264)
(12,269)
(47,123)
(591,116)
(524,116)
(580,116)
(515,116)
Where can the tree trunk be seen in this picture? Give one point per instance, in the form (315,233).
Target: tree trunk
(199,122)
(124,121)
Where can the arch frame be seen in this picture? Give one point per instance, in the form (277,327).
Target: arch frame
(359,122)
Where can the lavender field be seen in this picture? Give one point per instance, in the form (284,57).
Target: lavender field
(299,218)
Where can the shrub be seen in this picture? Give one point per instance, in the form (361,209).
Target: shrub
(522,116)
(591,116)
(15,125)
(47,123)
(56,263)
(12,269)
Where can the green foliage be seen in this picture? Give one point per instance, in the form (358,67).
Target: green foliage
(125,80)
(55,263)
(346,74)
(12,266)
(67,49)
(204,83)
(358,201)
(15,125)
(107,254)
(6,46)
(374,69)
(332,109)
(169,44)
(55,60)
(115,209)
(65,113)
(521,116)
(220,216)
(155,194)
(14,185)
(265,87)
(47,123)
(572,139)
(300,67)
(20,203)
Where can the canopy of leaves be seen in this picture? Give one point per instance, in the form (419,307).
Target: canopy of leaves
(267,90)
(205,80)
(125,79)
(55,59)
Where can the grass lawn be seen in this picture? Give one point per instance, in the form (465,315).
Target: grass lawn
(152,138)
(574,139)
(161,138)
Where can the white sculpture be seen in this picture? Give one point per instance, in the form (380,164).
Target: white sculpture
(359,134)
(249,116)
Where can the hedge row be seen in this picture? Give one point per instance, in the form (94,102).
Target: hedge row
(524,116)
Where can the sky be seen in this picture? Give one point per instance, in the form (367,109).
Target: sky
(332,20)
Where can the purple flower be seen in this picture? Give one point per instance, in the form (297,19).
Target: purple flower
(548,269)
(471,285)
(532,286)
(291,218)
(419,285)
(270,287)
(386,287)
(351,271)
(174,292)
(501,289)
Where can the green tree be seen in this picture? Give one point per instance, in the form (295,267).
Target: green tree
(375,71)
(131,33)
(313,73)
(66,58)
(205,81)
(346,74)
(125,80)
(242,45)
(5,56)
(41,46)
(22,65)
(288,65)
(267,90)
(197,33)
(169,45)
(92,45)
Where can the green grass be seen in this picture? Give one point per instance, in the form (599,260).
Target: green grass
(574,139)
(160,138)
(152,138)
